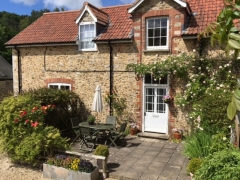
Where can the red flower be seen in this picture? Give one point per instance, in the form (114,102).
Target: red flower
(35,124)
(27,121)
(53,106)
(16,120)
(23,113)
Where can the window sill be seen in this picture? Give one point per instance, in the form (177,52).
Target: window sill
(156,50)
(88,50)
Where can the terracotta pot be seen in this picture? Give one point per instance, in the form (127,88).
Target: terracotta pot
(133,131)
(177,135)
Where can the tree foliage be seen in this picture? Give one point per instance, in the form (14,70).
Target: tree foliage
(11,24)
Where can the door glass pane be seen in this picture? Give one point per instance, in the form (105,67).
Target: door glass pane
(161,106)
(149,100)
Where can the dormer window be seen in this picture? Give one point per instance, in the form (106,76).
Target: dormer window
(87,32)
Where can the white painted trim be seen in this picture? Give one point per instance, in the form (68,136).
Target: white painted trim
(157,47)
(86,8)
(130,10)
(60,84)
(134,7)
(183,4)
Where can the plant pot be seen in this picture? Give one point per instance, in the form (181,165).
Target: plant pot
(60,173)
(91,123)
(177,135)
(133,131)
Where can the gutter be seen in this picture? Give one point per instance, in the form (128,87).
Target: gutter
(19,71)
(111,77)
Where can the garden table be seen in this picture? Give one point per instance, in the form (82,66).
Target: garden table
(101,128)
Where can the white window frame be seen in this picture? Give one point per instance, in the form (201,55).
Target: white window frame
(165,47)
(87,49)
(59,85)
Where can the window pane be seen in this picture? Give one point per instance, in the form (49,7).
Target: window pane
(150,33)
(150,41)
(157,42)
(157,23)
(150,23)
(164,22)
(163,41)
(157,32)
(53,86)
(163,32)
(81,28)
(91,28)
(150,80)
(65,87)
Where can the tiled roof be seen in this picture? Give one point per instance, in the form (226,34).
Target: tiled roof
(57,27)
(205,11)
(60,27)
(120,26)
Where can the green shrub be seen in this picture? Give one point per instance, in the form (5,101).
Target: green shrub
(102,150)
(198,145)
(220,142)
(194,164)
(24,134)
(222,165)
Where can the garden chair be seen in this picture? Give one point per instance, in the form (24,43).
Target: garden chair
(75,127)
(111,120)
(117,136)
(88,138)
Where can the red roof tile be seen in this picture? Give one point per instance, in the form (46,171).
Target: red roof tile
(120,26)
(57,27)
(205,11)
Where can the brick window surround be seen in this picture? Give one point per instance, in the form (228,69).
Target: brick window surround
(60,80)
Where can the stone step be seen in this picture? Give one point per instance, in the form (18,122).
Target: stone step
(153,135)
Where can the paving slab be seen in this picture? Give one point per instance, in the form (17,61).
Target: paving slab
(147,159)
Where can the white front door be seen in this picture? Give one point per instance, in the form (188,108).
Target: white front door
(156,111)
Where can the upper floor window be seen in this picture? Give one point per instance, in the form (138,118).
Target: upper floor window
(87,34)
(61,86)
(157,33)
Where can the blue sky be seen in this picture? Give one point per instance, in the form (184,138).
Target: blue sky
(25,7)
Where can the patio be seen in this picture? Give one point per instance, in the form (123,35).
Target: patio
(145,158)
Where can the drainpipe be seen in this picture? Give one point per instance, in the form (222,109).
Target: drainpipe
(111,77)
(19,71)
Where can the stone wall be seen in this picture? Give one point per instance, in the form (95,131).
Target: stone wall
(84,70)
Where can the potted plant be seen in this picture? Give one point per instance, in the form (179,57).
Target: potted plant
(69,167)
(167,99)
(102,150)
(177,133)
(91,120)
(133,128)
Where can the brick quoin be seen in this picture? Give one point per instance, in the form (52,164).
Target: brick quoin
(60,80)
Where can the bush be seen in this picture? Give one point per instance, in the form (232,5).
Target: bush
(194,164)
(102,150)
(198,145)
(24,134)
(222,165)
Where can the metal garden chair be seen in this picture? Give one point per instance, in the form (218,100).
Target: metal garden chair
(88,138)
(117,136)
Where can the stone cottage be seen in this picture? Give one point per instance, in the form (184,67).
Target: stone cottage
(6,78)
(78,50)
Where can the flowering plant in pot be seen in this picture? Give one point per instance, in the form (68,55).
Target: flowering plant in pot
(177,133)
(167,98)
(68,166)
(133,127)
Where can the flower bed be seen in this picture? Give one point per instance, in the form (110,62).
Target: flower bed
(63,167)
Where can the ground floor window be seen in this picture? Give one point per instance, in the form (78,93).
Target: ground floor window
(61,86)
